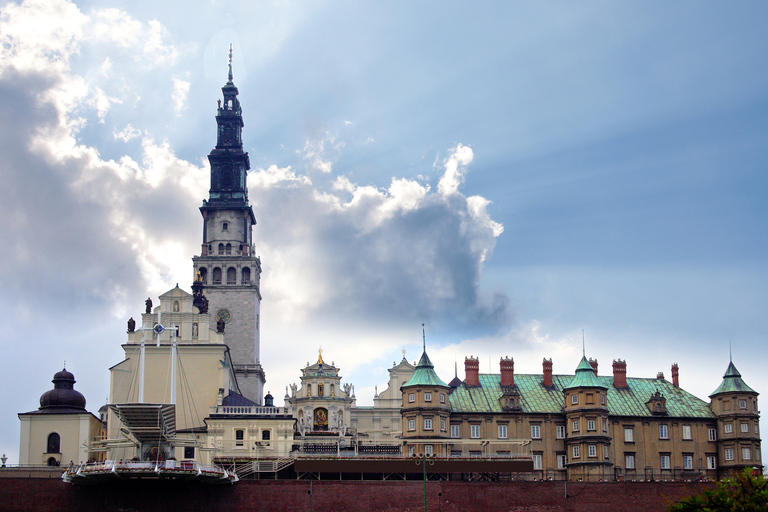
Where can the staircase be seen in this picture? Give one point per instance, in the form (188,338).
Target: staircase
(246,469)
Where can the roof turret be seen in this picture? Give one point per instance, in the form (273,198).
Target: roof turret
(425,374)
(732,383)
(585,376)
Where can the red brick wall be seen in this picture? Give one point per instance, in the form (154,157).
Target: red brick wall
(17,494)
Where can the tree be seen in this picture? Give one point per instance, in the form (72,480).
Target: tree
(743,493)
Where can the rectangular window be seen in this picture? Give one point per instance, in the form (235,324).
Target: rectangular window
(605,424)
(455,430)
(602,399)
(746,453)
(742,404)
(711,462)
(411,424)
(575,426)
(442,425)
(410,450)
(536,461)
(665,461)
(745,428)
(239,437)
(576,452)
(189,452)
(729,454)
(474,431)
(592,450)
(428,450)
(712,434)
(687,432)
(411,397)
(629,460)
(574,399)
(687,461)
(427,424)
(442,398)
(502,431)
(605,451)
(266,435)
(561,432)
(663,432)
(590,424)
(535,432)
(561,461)
(427,397)
(629,435)
(727,428)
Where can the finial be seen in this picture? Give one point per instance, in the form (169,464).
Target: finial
(423,338)
(65,364)
(583,346)
(230,62)
(730,351)
(320,355)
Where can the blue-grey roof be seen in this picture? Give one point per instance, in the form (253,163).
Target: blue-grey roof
(535,398)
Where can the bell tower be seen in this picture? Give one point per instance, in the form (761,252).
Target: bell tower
(227,267)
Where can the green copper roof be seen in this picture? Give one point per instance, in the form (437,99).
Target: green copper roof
(732,382)
(585,376)
(425,374)
(535,398)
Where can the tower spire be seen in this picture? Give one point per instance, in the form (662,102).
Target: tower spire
(423,338)
(230,63)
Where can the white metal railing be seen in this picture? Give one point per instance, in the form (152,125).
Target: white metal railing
(245,409)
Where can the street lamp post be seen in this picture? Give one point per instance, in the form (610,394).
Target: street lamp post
(424,459)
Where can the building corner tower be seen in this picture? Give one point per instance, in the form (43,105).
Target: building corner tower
(227,267)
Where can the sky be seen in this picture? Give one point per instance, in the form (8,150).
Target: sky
(525,179)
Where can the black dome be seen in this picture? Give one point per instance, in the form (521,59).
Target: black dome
(63,394)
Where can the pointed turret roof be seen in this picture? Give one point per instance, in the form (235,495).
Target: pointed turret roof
(732,382)
(425,374)
(585,376)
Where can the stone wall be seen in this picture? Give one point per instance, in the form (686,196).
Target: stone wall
(44,495)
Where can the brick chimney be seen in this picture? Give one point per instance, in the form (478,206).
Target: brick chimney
(660,375)
(472,371)
(619,373)
(547,365)
(507,366)
(593,363)
(675,375)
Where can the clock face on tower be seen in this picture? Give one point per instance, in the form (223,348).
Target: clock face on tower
(224,315)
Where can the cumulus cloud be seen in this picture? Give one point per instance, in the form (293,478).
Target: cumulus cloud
(179,95)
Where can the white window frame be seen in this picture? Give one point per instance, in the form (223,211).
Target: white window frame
(502,431)
(411,424)
(602,399)
(629,435)
(711,462)
(442,398)
(663,431)
(576,452)
(574,399)
(729,454)
(560,434)
(240,443)
(428,449)
(427,423)
(687,432)
(629,460)
(687,461)
(665,461)
(427,397)
(745,428)
(742,404)
(474,431)
(592,450)
(728,428)
(536,461)
(575,426)
(411,397)
(746,453)
(591,425)
(410,450)
(535,431)
(712,434)
(442,425)
(562,460)
(455,431)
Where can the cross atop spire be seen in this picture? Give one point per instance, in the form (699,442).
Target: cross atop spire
(230,63)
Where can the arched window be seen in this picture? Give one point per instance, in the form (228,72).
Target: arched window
(231,275)
(175,306)
(246,277)
(224,226)
(217,275)
(54,443)
(204,275)
(221,248)
(52,461)
(228,250)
